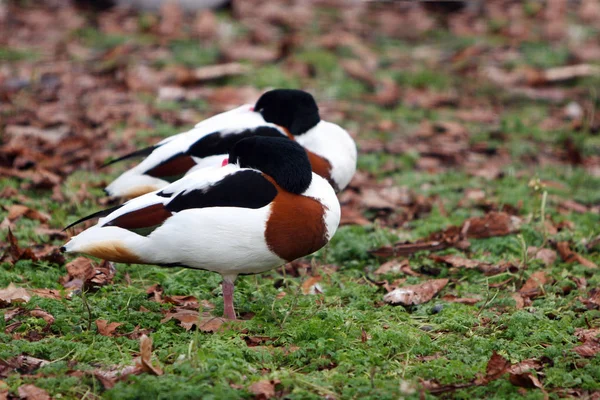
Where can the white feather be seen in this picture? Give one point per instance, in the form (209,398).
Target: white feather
(333,143)
(227,240)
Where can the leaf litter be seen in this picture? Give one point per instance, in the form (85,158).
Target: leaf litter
(58,117)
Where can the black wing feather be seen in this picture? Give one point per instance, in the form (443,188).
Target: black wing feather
(218,143)
(139,153)
(244,189)
(99,214)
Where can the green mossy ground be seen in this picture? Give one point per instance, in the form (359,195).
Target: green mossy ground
(448,342)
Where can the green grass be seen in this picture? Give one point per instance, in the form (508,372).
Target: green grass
(316,344)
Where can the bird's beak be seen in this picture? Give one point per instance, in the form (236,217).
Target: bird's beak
(225,162)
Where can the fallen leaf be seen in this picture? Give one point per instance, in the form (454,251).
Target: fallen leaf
(46,293)
(264,389)
(156,292)
(188,302)
(415,294)
(17,211)
(105,328)
(46,316)
(457,261)
(145,362)
(496,367)
(547,256)
(13,294)
(210,324)
(393,266)
(491,225)
(32,392)
(591,342)
(186,318)
(519,301)
(83,272)
(109,378)
(534,285)
(526,380)
(569,256)
(463,300)
(311,285)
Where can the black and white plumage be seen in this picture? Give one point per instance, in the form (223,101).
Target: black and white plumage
(292,113)
(266,207)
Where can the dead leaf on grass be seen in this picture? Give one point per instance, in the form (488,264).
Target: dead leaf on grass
(145,361)
(109,378)
(105,328)
(491,225)
(415,294)
(264,389)
(547,256)
(533,287)
(569,256)
(187,318)
(312,286)
(17,211)
(463,300)
(12,294)
(187,302)
(496,367)
(457,261)
(32,392)
(83,272)
(46,316)
(591,342)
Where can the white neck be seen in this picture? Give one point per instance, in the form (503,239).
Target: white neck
(333,143)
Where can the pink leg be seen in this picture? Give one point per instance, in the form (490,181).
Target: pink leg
(228,310)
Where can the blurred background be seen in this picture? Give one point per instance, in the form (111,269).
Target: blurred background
(103,77)
(466,114)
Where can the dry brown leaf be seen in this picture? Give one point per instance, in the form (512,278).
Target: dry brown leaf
(312,286)
(82,272)
(145,362)
(491,225)
(547,256)
(109,378)
(569,256)
(17,211)
(519,301)
(591,342)
(105,328)
(393,266)
(46,316)
(526,380)
(457,261)
(12,294)
(186,318)
(463,300)
(187,302)
(352,216)
(534,285)
(415,294)
(264,389)
(32,392)
(211,72)
(46,293)
(156,291)
(496,367)
(209,323)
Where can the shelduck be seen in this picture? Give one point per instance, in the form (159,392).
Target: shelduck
(264,207)
(292,113)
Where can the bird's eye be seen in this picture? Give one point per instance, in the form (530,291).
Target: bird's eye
(261,110)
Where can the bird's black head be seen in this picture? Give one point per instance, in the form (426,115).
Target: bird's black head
(292,109)
(282,159)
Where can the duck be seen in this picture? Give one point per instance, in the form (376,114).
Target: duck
(292,113)
(262,208)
